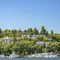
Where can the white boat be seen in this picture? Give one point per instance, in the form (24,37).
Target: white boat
(2,56)
(13,55)
(49,55)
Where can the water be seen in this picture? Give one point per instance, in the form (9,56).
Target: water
(29,58)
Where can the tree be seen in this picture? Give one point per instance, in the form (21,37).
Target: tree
(52,32)
(54,47)
(1,35)
(46,33)
(25,31)
(19,31)
(14,32)
(14,39)
(7,49)
(0,31)
(35,31)
(5,32)
(1,49)
(30,31)
(40,38)
(43,31)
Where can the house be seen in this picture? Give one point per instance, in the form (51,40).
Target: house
(29,36)
(40,42)
(7,40)
(43,43)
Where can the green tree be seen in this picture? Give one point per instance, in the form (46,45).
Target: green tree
(52,32)
(54,47)
(43,31)
(1,49)
(35,31)
(0,31)
(8,49)
(40,38)
(30,31)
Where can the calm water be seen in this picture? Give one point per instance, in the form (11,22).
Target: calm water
(29,58)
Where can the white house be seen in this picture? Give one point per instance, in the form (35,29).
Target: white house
(42,43)
(7,40)
(29,36)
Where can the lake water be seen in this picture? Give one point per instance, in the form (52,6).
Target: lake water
(29,58)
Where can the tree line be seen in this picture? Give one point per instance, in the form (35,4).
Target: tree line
(19,32)
(27,46)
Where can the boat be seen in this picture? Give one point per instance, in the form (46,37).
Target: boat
(43,55)
(2,56)
(13,55)
(49,55)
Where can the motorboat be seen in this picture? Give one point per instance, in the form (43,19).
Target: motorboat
(13,55)
(49,55)
(2,56)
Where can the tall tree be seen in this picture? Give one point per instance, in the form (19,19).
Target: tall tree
(43,31)
(1,35)
(30,31)
(20,31)
(0,31)
(47,33)
(35,31)
(25,31)
(52,32)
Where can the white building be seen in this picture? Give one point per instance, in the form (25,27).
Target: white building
(7,40)
(29,36)
(42,43)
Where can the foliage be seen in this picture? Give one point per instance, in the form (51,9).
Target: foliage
(25,46)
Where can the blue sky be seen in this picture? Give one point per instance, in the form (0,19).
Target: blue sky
(23,14)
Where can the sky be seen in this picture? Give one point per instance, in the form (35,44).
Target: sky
(24,14)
